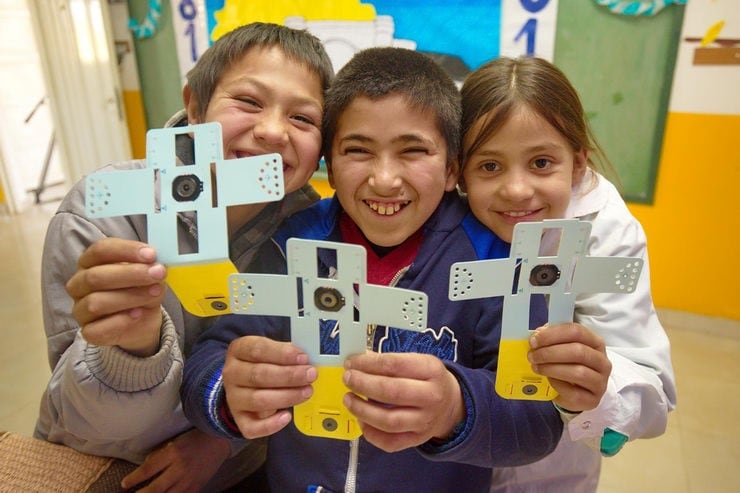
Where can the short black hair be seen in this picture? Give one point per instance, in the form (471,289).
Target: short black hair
(378,72)
(296,44)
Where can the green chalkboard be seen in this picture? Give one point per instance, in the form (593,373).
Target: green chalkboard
(622,66)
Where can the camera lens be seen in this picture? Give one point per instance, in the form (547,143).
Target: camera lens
(328,299)
(544,275)
(186,188)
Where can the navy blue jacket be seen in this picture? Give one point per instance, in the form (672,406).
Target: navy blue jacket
(465,334)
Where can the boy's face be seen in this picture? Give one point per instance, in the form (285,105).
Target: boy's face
(389,167)
(525,172)
(268,103)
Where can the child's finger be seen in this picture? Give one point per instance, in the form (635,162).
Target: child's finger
(258,349)
(116,250)
(403,365)
(570,353)
(566,333)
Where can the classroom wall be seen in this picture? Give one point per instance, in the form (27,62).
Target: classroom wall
(693,226)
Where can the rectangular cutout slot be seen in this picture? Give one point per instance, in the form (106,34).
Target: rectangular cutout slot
(182,235)
(550,242)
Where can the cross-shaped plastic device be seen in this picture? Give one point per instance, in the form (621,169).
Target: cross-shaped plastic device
(310,299)
(205,188)
(561,277)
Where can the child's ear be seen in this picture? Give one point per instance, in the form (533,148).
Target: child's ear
(329,174)
(453,172)
(191,106)
(580,163)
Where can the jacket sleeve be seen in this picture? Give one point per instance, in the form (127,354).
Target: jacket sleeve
(101,400)
(202,392)
(497,432)
(641,389)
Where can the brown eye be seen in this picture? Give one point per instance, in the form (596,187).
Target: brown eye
(541,163)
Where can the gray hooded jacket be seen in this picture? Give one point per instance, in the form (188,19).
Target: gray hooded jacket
(102,400)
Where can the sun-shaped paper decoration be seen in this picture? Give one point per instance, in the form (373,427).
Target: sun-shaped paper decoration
(237,13)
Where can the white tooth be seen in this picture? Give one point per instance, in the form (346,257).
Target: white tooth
(374,206)
(381,210)
(397,207)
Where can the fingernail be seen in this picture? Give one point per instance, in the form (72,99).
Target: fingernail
(312,374)
(284,418)
(155,290)
(301,359)
(345,377)
(533,342)
(135,313)
(148,254)
(157,272)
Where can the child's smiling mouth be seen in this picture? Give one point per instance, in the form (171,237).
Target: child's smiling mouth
(386,208)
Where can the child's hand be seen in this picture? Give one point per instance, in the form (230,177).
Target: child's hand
(185,463)
(262,378)
(412,398)
(574,360)
(117,292)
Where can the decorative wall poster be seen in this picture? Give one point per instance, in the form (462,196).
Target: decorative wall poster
(707,74)
(461,34)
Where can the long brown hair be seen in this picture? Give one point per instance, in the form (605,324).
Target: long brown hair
(497,88)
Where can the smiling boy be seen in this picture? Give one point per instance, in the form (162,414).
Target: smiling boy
(116,335)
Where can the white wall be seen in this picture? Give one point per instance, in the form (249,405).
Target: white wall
(23,146)
(707,89)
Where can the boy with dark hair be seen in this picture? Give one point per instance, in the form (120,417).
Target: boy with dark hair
(116,335)
(431,421)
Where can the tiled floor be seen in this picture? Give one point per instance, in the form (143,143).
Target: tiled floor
(700,451)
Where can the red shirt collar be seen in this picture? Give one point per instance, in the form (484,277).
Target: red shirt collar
(380,270)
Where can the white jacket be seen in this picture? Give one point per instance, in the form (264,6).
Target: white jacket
(641,388)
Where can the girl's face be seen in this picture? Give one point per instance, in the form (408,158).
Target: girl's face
(524,172)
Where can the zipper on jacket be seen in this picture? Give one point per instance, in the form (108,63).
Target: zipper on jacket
(350,483)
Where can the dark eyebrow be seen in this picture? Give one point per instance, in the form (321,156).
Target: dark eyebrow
(404,139)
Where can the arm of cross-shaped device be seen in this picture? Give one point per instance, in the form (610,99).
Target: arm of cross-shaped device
(481,279)
(263,294)
(606,274)
(250,180)
(393,307)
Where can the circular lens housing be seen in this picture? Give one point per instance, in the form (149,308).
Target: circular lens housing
(328,299)
(186,188)
(544,275)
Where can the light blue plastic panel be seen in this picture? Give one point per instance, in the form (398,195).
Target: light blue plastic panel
(575,273)
(299,295)
(164,188)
